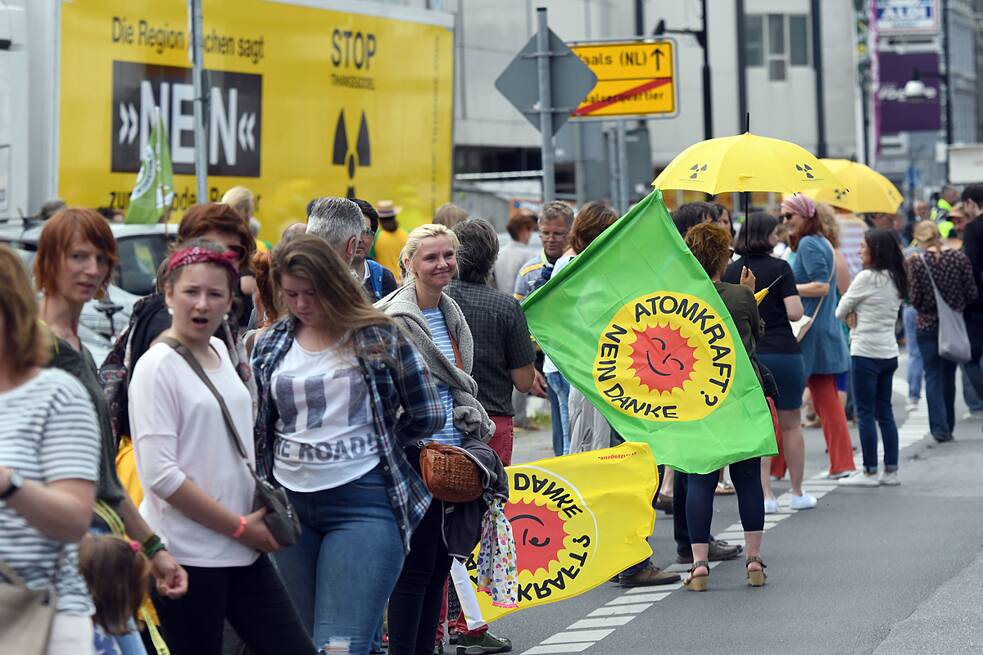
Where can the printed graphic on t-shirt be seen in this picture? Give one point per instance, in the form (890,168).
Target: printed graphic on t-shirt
(325,435)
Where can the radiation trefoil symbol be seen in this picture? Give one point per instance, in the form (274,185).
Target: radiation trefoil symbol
(697,168)
(840,193)
(807,169)
(352,158)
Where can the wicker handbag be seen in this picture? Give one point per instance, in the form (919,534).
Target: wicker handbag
(450,474)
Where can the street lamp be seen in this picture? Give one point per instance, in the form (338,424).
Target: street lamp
(915,89)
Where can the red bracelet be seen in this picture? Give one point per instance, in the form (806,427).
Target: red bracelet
(241,528)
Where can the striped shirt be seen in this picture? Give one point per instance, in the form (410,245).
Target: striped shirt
(48,432)
(442,339)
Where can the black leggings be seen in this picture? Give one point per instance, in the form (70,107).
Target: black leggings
(746,476)
(414,606)
(252,598)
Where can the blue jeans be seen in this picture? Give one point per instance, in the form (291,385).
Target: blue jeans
(940,385)
(559,393)
(916,368)
(971,398)
(872,381)
(345,565)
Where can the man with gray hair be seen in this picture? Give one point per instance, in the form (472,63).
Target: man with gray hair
(339,222)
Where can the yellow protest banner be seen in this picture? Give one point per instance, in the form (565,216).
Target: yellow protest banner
(304,101)
(577,521)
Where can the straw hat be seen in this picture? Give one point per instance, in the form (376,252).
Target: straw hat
(387,209)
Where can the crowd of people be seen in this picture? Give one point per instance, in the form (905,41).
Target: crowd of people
(250,451)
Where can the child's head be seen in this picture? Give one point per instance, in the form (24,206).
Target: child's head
(116,572)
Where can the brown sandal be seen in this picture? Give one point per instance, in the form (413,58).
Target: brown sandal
(756,578)
(698,582)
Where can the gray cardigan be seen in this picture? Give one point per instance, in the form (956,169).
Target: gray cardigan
(469,416)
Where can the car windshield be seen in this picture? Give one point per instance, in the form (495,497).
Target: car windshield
(139,257)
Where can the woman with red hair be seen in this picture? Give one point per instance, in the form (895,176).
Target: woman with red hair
(824,349)
(75,260)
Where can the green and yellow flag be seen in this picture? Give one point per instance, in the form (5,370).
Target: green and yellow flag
(577,521)
(636,325)
(154,190)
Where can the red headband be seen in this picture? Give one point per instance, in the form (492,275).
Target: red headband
(198,255)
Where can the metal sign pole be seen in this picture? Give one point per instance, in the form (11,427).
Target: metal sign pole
(197,73)
(545,104)
(612,146)
(624,187)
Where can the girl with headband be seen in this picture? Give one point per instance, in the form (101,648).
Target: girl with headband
(199,494)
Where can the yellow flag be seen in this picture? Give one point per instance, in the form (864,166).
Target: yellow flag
(577,520)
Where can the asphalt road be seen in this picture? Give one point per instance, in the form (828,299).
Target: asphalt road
(870,570)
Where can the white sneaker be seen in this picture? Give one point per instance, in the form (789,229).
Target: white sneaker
(860,479)
(911,405)
(805,501)
(889,479)
(835,476)
(972,416)
(771,505)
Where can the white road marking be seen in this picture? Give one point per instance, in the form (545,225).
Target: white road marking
(647,598)
(583,624)
(621,609)
(558,648)
(578,636)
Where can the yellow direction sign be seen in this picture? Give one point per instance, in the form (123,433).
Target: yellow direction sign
(634,78)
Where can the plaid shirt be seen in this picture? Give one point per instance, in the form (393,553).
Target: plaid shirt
(404,401)
(501,342)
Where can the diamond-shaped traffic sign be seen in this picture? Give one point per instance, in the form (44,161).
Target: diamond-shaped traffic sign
(570,81)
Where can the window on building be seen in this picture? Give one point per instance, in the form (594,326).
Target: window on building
(754,40)
(798,36)
(777,41)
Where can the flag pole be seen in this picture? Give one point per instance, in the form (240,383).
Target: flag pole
(197,74)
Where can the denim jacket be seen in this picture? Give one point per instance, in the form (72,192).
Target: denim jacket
(405,408)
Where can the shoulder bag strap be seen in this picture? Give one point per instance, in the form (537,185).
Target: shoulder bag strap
(195,365)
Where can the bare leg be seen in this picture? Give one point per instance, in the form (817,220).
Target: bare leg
(793,446)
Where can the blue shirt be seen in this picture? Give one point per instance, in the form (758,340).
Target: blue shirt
(824,347)
(442,339)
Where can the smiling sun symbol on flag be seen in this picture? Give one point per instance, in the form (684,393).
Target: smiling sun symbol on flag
(539,533)
(661,358)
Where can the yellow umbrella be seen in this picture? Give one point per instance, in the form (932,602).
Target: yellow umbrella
(864,190)
(746,162)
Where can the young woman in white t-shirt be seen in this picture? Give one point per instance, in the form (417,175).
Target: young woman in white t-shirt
(199,493)
(342,394)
